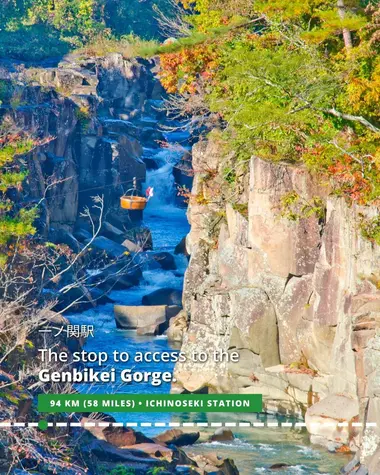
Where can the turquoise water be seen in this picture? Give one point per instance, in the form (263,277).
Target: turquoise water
(168,225)
(254,449)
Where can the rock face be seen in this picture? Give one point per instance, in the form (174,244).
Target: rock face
(83,113)
(280,293)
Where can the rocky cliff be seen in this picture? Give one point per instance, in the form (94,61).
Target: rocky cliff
(298,298)
(95,123)
(90,112)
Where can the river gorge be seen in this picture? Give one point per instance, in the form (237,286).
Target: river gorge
(279,293)
(254,449)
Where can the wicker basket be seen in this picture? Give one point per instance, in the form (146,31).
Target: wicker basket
(133,202)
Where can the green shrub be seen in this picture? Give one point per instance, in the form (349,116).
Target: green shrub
(6,89)
(156,470)
(295,207)
(121,470)
(241,208)
(370,229)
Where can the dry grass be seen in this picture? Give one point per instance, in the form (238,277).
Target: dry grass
(129,47)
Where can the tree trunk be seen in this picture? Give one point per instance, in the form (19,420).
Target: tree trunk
(346,32)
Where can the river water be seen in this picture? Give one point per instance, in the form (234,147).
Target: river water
(254,450)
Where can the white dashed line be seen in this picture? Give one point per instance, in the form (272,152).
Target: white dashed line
(271,425)
(299,424)
(103,424)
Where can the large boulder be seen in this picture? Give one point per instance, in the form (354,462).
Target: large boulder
(112,232)
(128,160)
(117,436)
(181,248)
(118,276)
(108,247)
(77,298)
(157,451)
(222,434)
(279,467)
(131,246)
(147,320)
(118,126)
(82,235)
(177,327)
(150,163)
(322,421)
(177,437)
(151,137)
(124,437)
(163,297)
(213,464)
(99,452)
(133,317)
(165,260)
(63,236)
(141,236)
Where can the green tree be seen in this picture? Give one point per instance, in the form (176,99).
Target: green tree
(80,18)
(124,17)
(12,12)
(296,81)
(32,30)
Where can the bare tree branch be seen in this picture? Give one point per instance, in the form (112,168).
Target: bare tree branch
(175,24)
(352,118)
(309,104)
(96,230)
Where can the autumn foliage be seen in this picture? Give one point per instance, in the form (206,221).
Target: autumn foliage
(292,81)
(181,71)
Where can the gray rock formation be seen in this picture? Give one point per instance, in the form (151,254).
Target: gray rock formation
(75,110)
